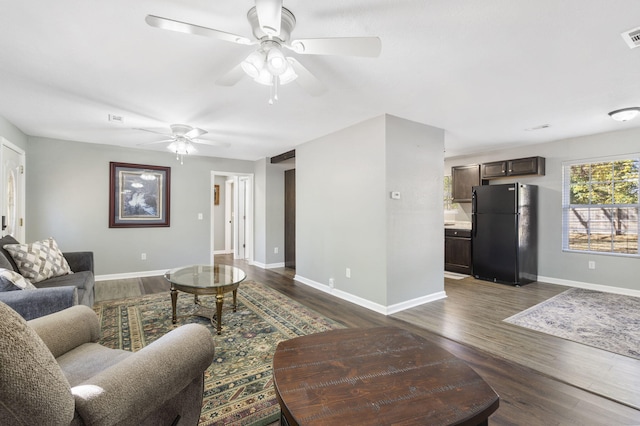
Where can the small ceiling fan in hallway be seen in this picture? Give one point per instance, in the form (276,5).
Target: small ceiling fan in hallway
(272,25)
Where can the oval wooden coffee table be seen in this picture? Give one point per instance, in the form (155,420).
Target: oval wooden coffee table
(377,376)
(200,280)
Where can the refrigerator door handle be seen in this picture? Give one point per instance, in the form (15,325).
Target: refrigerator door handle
(473,201)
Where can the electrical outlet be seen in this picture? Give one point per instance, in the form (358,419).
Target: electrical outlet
(331,283)
(347,273)
(592,264)
(143,256)
(275,250)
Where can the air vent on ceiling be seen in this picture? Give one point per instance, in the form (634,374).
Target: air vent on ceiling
(632,37)
(116,118)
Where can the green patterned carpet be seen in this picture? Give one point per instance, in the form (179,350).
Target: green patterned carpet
(238,385)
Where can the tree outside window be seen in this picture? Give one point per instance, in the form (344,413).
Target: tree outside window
(601,206)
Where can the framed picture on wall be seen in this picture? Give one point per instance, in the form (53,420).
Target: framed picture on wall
(216,194)
(139,195)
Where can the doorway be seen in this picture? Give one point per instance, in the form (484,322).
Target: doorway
(290,218)
(237,215)
(13,190)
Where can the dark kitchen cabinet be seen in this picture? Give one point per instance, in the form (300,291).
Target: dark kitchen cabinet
(457,251)
(517,167)
(463,178)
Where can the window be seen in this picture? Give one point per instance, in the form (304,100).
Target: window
(600,206)
(448,195)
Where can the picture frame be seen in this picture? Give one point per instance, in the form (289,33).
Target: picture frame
(139,195)
(216,195)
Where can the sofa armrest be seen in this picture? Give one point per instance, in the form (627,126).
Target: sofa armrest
(39,302)
(79,260)
(67,329)
(129,391)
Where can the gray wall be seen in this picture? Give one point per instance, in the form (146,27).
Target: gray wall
(12,133)
(345,218)
(341,210)
(68,199)
(555,265)
(415,168)
(260,207)
(274,211)
(269,211)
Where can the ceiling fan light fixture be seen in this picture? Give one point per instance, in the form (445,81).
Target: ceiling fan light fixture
(276,62)
(625,114)
(181,147)
(254,64)
(289,75)
(265,77)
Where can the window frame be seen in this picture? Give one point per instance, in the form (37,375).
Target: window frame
(567,206)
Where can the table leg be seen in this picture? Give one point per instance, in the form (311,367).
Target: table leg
(219,301)
(174,301)
(235,303)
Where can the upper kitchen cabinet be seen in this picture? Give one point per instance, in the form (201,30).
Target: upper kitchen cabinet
(463,179)
(517,167)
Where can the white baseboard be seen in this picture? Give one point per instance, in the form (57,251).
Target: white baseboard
(376,307)
(222,252)
(128,275)
(589,286)
(268,265)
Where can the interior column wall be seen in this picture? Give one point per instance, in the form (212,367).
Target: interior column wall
(415,169)
(340,210)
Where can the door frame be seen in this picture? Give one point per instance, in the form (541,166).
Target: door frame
(22,189)
(249,249)
(229,186)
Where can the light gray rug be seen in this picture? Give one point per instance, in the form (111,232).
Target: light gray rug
(604,320)
(454,275)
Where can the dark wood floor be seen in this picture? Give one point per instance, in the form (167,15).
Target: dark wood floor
(541,380)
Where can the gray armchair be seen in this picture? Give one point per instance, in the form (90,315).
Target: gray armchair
(54,373)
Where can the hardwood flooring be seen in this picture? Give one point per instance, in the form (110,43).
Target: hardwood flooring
(541,380)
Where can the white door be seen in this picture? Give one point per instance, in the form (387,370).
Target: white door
(13,191)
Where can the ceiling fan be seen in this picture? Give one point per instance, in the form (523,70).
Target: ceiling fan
(181,140)
(272,25)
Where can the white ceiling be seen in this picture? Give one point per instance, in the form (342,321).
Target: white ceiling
(485,71)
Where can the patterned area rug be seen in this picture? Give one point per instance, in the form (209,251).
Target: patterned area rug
(604,320)
(238,385)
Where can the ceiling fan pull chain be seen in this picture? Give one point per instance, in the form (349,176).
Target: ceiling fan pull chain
(272,93)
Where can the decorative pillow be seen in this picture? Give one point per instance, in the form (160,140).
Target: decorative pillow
(40,260)
(11,280)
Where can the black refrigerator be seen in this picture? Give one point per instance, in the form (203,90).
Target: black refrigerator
(504,237)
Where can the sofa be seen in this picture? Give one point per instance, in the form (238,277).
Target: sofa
(52,294)
(55,373)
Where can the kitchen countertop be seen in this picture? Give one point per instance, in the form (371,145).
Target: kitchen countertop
(457,225)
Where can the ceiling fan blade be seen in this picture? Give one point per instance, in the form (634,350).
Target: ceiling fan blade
(155,142)
(349,46)
(153,131)
(195,133)
(212,143)
(231,77)
(306,80)
(184,27)
(269,16)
